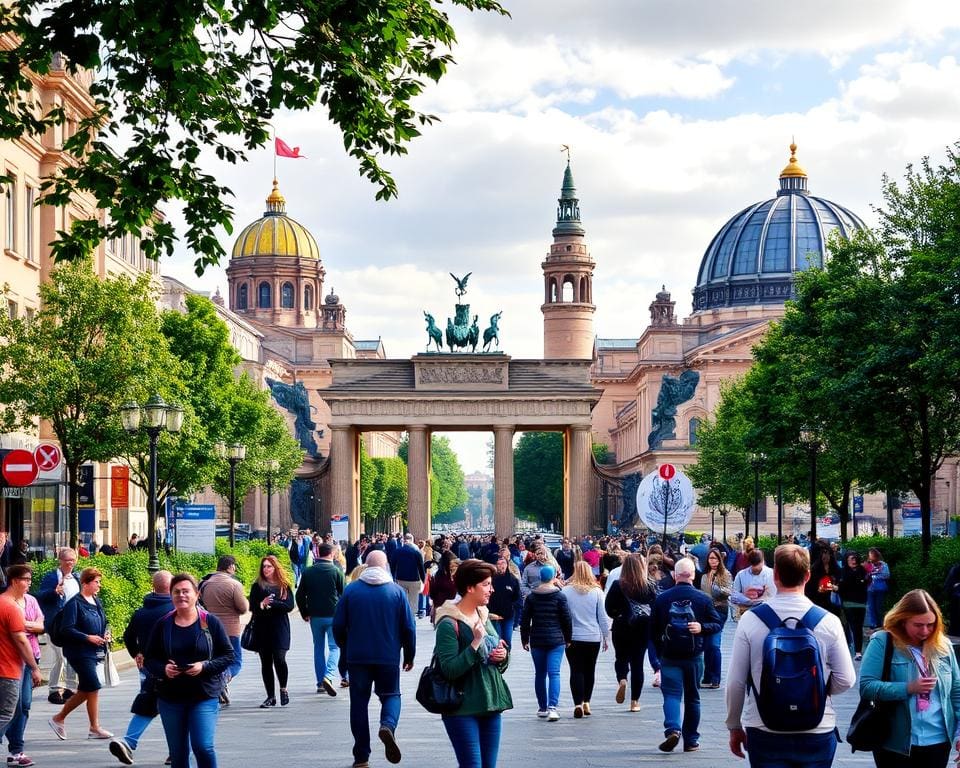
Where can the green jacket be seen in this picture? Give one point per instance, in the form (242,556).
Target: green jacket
(484,689)
(321,586)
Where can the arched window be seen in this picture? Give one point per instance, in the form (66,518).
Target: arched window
(569,294)
(694,425)
(308,297)
(264,297)
(242,297)
(553,290)
(583,290)
(286,296)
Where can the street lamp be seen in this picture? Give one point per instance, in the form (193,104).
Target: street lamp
(272,466)
(723,514)
(713,523)
(756,461)
(234,454)
(154,417)
(809,439)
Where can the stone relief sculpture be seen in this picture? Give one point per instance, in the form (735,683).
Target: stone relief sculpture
(294,398)
(673,391)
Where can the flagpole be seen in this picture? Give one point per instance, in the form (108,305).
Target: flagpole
(274,153)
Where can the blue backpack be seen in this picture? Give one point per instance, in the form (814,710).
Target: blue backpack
(676,636)
(793,689)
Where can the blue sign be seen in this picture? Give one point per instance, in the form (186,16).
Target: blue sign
(195,511)
(858,505)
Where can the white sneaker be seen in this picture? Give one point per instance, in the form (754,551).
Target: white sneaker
(858,657)
(553,715)
(542,713)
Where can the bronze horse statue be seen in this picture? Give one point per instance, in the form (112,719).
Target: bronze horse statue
(433,333)
(490,334)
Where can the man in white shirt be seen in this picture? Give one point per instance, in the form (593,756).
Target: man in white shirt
(812,748)
(753,585)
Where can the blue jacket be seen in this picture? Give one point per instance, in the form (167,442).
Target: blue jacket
(902,671)
(703,610)
(80,619)
(373,624)
(407,564)
(50,602)
(137,633)
(214,651)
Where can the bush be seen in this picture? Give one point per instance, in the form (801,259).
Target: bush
(126,579)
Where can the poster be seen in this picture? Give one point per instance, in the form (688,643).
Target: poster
(662,500)
(912,523)
(196,527)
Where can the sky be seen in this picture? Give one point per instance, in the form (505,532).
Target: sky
(678,114)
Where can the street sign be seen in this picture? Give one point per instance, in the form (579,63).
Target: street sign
(47,456)
(667,471)
(19,468)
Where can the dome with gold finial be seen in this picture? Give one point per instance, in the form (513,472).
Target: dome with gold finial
(754,256)
(275,233)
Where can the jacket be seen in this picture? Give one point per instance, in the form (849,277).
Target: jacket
(853,584)
(373,623)
(320,588)
(703,610)
(902,671)
(506,593)
(271,625)
(484,689)
(50,602)
(546,619)
(407,564)
(137,633)
(217,659)
(618,608)
(223,596)
(80,619)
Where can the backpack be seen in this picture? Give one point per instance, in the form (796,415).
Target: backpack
(55,630)
(793,689)
(676,636)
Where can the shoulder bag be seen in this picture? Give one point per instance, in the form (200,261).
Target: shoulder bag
(870,725)
(435,693)
(248,640)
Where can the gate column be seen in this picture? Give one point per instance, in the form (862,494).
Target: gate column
(579,476)
(503,516)
(345,477)
(418,481)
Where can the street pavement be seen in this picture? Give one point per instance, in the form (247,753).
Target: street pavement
(314,729)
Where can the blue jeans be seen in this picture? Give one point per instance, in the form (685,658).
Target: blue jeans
(504,628)
(234,669)
(297,573)
(19,723)
(138,724)
(324,665)
(790,750)
(711,653)
(423,605)
(190,725)
(546,666)
(680,685)
(385,680)
(875,608)
(475,739)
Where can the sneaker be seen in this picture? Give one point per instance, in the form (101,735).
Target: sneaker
(634,706)
(621,692)
(577,712)
(552,715)
(542,713)
(284,698)
(168,761)
(667,745)
(361,764)
(327,685)
(344,683)
(56,697)
(691,747)
(320,690)
(390,748)
(858,657)
(267,703)
(586,709)
(120,750)
(58,729)
(19,760)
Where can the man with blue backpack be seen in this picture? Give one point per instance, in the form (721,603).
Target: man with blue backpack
(789,657)
(683,616)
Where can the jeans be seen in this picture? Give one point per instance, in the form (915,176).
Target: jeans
(711,653)
(791,750)
(582,658)
(138,724)
(546,666)
(652,655)
(934,756)
(324,665)
(680,685)
(62,675)
(385,680)
(234,669)
(475,739)
(9,697)
(504,629)
(423,605)
(412,590)
(629,648)
(855,618)
(297,573)
(875,608)
(19,723)
(190,725)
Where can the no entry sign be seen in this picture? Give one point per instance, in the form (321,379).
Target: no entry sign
(19,468)
(667,471)
(47,456)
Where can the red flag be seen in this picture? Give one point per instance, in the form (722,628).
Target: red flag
(283,149)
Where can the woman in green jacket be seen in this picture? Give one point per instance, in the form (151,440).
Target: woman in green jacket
(924,684)
(471,653)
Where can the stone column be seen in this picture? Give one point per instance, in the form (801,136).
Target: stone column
(503,516)
(579,493)
(418,481)
(344,469)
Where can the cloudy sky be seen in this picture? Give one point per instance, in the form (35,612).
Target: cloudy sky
(678,114)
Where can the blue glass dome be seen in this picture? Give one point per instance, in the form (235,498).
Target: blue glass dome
(753,258)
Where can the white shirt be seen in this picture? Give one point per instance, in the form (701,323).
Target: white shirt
(70,585)
(747,659)
(747,579)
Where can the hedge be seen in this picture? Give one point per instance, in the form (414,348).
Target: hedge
(126,579)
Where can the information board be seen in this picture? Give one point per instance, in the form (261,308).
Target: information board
(195,527)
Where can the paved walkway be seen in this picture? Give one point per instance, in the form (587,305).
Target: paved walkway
(314,730)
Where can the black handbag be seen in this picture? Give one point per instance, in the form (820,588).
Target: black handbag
(870,724)
(248,640)
(435,693)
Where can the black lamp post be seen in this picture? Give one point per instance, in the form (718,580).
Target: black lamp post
(234,454)
(157,416)
(756,461)
(723,514)
(809,438)
(272,466)
(713,523)
(779,512)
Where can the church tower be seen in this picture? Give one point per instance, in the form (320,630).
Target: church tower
(568,283)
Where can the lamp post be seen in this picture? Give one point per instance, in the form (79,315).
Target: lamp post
(713,523)
(723,514)
(272,466)
(234,454)
(779,512)
(809,438)
(155,417)
(756,461)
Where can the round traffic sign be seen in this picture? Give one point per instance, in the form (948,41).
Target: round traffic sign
(667,471)
(47,456)
(19,468)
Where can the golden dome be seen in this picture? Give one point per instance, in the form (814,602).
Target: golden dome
(275,233)
(793,169)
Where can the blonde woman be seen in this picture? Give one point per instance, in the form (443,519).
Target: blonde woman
(924,684)
(585,600)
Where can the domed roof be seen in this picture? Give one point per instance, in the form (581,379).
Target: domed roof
(751,260)
(275,233)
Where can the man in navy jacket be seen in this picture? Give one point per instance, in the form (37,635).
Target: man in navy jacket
(408,570)
(374,625)
(56,588)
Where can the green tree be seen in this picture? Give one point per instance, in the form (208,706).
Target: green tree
(369,503)
(390,490)
(538,477)
(94,344)
(448,489)
(175,81)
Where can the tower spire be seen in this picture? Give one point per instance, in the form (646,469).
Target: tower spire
(568,205)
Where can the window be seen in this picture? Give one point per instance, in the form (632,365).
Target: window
(286,296)
(694,425)
(568,295)
(28,231)
(308,297)
(264,295)
(10,217)
(242,297)
(30,313)
(12,309)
